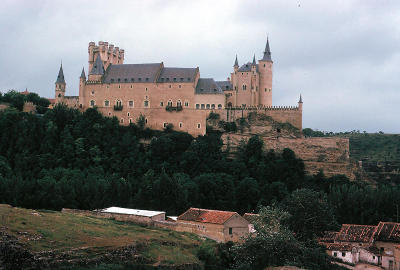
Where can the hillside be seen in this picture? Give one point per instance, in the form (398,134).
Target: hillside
(43,238)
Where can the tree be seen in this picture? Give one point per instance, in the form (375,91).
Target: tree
(311,213)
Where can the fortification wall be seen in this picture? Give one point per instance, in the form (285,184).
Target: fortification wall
(286,114)
(330,154)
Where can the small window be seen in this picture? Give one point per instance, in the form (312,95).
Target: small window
(203,106)
(373,257)
(265,89)
(130,103)
(198,125)
(169,86)
(146,103)
(109,114)
(179,103)
(180,125)
(244,105)
(130,120)
(227,87)
(161,104)
(106,103)
(212,106)
(208,106)
(146,89)
(145,120)
(122,120)
(107,86)
(165,125)
(140,79)
(244,87)
(119,79)
(147,79)
(119,86)
(188,79)
(186,104)
(219,106)
(334,254)
(126,80)
(180,86)
(59,95)
(343,254)
(174,79)
(92,103)
(132,79)
(197,106)
(129,114)
(169,103)
(92,93)
(181,79)
(162,79)
(167,79)
(131,86)
(230,231)
(264,65)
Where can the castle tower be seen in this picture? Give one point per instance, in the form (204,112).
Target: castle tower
(234,81)
(97,70)
(82,84)
(108,54)
(301,112)
(265,70)
(254,83)
(60,86)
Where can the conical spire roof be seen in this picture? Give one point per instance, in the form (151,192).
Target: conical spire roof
(60,77)
(254,60)
(300,100)
(83,76)
(236,62)
(267,53)
(98,68)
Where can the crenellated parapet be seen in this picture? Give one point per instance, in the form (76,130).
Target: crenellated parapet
(108,54)
(264,108)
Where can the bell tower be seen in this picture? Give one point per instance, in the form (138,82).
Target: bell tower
(60,86)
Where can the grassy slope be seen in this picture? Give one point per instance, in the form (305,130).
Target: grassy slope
(44,230)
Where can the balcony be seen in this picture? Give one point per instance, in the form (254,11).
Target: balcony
(118,107)
(169,108)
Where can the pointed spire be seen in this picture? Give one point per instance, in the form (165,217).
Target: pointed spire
(98,68)
(60,77)
(254,60)
(83,76)
(300,100)
(236,62)
(267,52)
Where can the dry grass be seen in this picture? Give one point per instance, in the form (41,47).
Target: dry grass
(43,230)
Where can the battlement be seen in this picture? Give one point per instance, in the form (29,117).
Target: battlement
(265,108)
(108,54)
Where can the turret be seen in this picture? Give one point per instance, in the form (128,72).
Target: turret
(97,70)
(254,64)
(108,54)
(82,84)
(300,103)
(265,71)
(236,65)
(60,86)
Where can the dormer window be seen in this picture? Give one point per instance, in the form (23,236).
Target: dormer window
(112,80)
(215,90)
(140,79)
(167,79)
(227,87)
(174,79)
(132,79)
(188,79)
(181,79)
(126,80)
(119,79)
(162,79)
(147,79)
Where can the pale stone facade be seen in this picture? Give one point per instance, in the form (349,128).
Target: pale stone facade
(177,97)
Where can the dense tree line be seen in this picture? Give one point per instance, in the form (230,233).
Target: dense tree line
(17,100)
(67,158)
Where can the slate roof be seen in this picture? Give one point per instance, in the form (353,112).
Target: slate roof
(225,85)
(173,74)
(83,76)
(206,216)
(267,53)
(60,77)
(98,68)
(132,73)
(356,233)
(247,67)
(207,86)
(388,232)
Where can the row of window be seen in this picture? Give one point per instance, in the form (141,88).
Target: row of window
(207,106)
(131,86)
(147,80)
(165,124)
(131,103)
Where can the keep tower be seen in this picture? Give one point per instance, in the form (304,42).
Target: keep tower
(265,71)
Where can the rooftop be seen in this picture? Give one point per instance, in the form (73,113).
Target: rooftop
(225,85)
(388,232)
(206,215)
(208,86)
(127,211)
(356,233)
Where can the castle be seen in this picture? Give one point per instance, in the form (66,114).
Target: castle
(173,96)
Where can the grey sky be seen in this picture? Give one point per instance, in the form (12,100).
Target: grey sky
(342,56)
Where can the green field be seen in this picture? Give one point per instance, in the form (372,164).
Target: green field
(77,236)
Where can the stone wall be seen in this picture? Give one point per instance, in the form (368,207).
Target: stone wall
(330,154)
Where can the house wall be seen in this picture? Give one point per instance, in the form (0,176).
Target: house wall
(397,258)
(368,257)
(348,256)
(212,231)
(240,229)
(210,99)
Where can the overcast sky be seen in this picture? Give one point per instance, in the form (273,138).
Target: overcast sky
(342,56)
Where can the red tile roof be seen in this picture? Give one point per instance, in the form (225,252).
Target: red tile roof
(338,247)
(356,233)
(388,232)
(251,217)
(328,237)
(206,215)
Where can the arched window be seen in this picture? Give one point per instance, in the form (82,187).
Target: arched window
(244,87)
(118,103)
(220,106)
(146,103)
(170,103)
(179,103)
(92,103)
